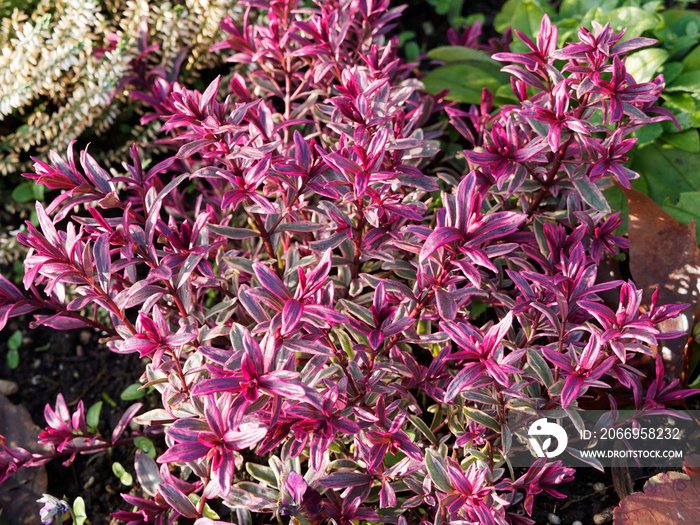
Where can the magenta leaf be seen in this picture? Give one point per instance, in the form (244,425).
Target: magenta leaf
(271,282)
(103,261)
(447,307)
(123,422)
(338,480)
(177,500)
(438,238)
(291,315)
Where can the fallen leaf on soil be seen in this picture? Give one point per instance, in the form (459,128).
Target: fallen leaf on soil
(664,254)
(19,493)
(669,498)
(622,481)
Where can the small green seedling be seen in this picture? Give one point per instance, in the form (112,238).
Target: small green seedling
(13,344)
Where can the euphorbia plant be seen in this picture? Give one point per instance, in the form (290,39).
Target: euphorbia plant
(304,290)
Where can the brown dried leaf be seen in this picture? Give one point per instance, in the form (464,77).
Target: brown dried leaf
(669,498)
(664,254)
(19,493)
(622,481)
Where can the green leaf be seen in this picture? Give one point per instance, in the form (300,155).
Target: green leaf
(688,140)
(15,340)
(424,429)
(27,192)
(618,202)
(79,515)
(685,107)
(692,60)
(696,383)
(482,418)
(506,439)
(92,417)
(476,17)
(262,473)
(671,71)
(686,210)
(539,365)
(648,133)
(233,233)
(452,54)
(122,474)
(299,227)
(146,445)
(633,19)
(412,50)
(591,194)
(464,81)
(689,81)
(207,511)
(12,359)
(523,15)
(437,469)
(645,64)
(405,36)
(504,95)
(667,171)
(132,392)
(578,8)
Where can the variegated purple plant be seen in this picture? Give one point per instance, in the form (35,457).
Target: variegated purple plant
(305,291)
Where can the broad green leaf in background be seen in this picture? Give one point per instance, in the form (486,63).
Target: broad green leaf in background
(523,15)
(451,8)
(648,133)
(680,31)
(634,19)
(692,59)
(686,107)
(687,140)
(465,81)
(687,209)
(644,65)
(667,171)
(578,8)
(452,54)
(671,71)
(688,81)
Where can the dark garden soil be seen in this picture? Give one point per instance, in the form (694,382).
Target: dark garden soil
(81,369)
